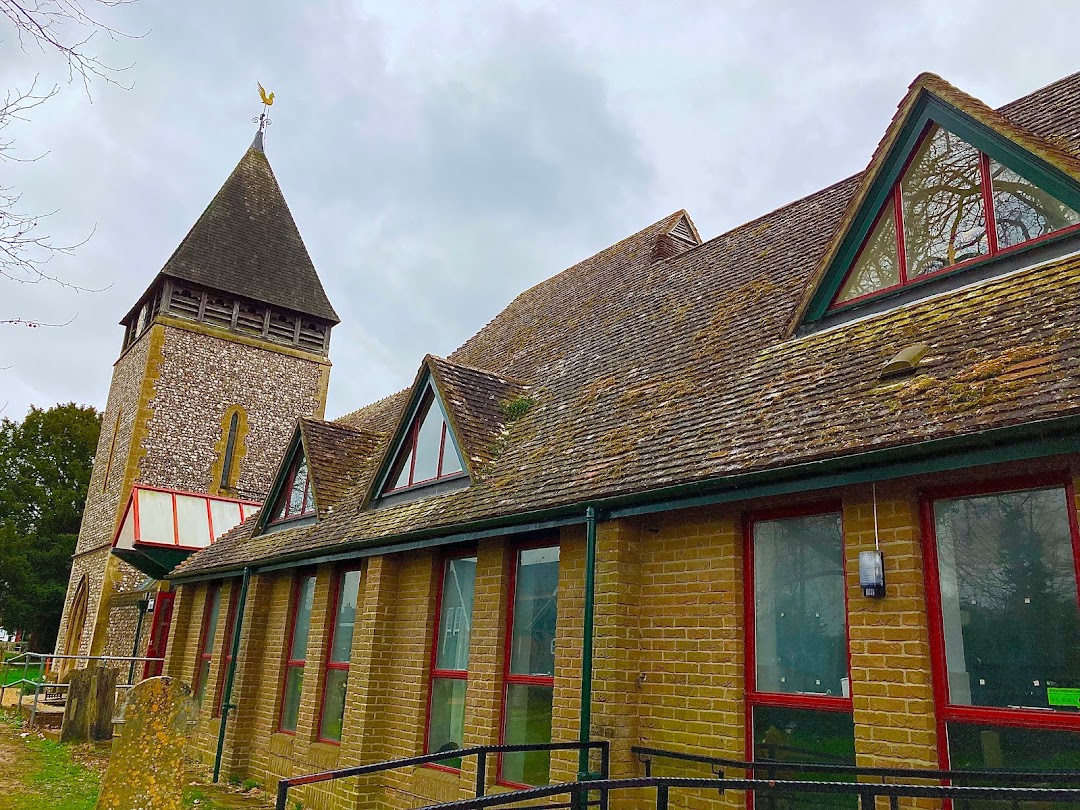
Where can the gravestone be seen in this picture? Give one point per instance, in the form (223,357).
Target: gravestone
(88,711)
(146,767)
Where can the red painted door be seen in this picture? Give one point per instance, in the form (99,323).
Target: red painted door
(159,633)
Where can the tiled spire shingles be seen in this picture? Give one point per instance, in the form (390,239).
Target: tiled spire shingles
(246,243)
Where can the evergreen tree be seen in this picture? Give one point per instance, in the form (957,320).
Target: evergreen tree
(45,464)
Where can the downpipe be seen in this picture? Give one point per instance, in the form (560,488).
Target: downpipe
(227,706)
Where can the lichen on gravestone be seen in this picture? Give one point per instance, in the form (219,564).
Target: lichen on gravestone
(146,767)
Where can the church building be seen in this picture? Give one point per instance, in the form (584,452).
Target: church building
(804,491)
(223,352)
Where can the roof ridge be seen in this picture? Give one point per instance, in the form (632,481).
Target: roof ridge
(501,377)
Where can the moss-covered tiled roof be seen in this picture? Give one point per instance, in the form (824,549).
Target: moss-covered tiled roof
(246,243)
(647,370)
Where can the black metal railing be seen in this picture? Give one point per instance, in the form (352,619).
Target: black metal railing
(480,752)
(777,768)
(865,794)
(952,784)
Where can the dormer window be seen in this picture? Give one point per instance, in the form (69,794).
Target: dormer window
(951,206)
(296,500)
(428,451)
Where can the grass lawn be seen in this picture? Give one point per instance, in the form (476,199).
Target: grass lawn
(38,773)
(15,672)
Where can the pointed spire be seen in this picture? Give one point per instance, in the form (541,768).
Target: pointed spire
(246,243)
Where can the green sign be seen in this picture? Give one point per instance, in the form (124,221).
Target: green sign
(1056,696)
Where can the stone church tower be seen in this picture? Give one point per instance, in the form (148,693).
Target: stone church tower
(220,355)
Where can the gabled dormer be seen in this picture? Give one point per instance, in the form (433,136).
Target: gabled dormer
(451,422)
(291,500)
(954,193)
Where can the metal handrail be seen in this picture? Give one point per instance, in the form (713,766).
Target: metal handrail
(867,792)
(44,658)
(480,752)
(773,766)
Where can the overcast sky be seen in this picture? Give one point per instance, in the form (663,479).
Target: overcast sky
(439,158)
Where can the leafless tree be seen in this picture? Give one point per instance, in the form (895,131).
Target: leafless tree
(61,28)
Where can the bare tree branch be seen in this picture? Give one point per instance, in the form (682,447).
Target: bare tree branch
(52,26)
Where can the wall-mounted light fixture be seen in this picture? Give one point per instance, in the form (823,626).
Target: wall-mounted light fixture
(872,573)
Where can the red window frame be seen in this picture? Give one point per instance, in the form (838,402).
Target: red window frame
(456,674)
(755,698)
(205,656)
(281,512)
(328,665)
(291,663)
(1049,720)
(508,677)
(227,646)
(894,200)
(407,449)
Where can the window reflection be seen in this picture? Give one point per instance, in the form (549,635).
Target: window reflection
(878,266)
(941,195)
(1023,211)
(1008,598)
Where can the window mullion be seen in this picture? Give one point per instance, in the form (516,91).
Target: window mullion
(989,215)
(898,215)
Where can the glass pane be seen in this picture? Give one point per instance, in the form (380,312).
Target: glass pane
(802,736)
(446,726)
(988,747)
(799,611)
(333,708)
(451,462)
(290,704)
(345,618)
(192,522)
(527,721)
(156,517)
(532,650)
(402,479)
(455,624)
(1021,749)
(1024,211)
(941,195)
(204,676)
(211,625)
(305,598)
(877,266)
(296,496)
(226,515)
(427,445)
(1008,599)
(309,498)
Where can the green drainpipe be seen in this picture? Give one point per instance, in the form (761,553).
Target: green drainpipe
(584,733)
(226,701)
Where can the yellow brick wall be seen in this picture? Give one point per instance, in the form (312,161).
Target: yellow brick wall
(690,662)
(891,683)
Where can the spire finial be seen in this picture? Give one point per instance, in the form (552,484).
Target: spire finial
(262,120)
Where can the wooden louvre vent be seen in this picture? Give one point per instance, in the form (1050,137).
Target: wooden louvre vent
(683,231)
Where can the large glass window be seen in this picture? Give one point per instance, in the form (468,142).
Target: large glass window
(296,651)
(206,643)
(797,663)
(296,499)
(1007,641)
(936,216)
(428,451)
(530,666)
(1008,599)
(339,653)
(229,647)
(450,658)
(800,616)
